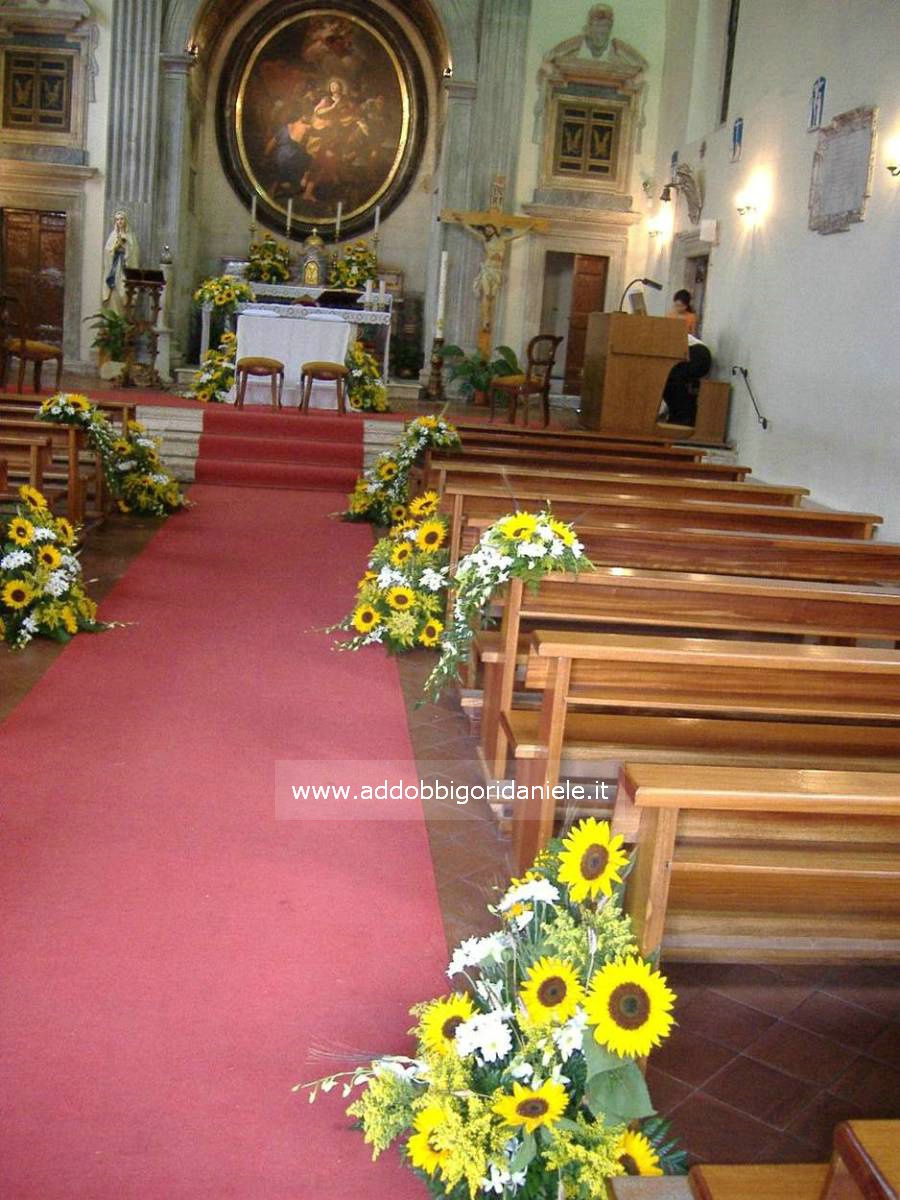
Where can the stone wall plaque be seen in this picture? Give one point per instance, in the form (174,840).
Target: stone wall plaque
(842,171)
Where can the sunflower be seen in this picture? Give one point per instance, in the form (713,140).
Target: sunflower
(79,403)
(564,532)
(49,557)
(387,470)
(368,578)
(431,634)
(401,598)
(637,1156)
(17,594)
(398,513)
(32,497)
(431,536)
(533,1107)
(122,446)
(442,1018)
(423,1153)
(629,1006)
(427,422)
(591,860)
(21,531)
(401,553)
(69,619)
(366,618)
(425,505)
(551,992)
(403,527)
(520,527)
(65,531)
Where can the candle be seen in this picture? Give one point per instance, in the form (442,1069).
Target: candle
(377,218)
(381,290)
(442,294)
(253,210)
(337,223)
(290,215)
(368,291)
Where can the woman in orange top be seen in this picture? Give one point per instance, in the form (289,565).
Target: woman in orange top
(681,307)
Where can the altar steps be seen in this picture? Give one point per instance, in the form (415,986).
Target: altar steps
(253,448)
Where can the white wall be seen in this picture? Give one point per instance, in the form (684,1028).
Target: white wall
(814,318)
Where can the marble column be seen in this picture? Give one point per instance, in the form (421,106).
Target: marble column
(133,158)
(172,184)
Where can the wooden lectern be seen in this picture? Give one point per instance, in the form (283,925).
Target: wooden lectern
(627,361)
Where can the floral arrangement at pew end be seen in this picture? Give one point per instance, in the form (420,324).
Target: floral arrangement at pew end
(224,293)
(365,387)
(41,588)
(132,469)
(269,262)
(386,483)
(403,594)
(525,1081)
(358,263)
(522,545)
(215,379)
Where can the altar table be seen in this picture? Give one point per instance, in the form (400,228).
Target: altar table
(293,337)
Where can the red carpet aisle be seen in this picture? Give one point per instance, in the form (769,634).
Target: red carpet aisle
(169,949)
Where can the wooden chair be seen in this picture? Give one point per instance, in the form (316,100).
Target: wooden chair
(16,342)
(264,368)
(535,382)
(323,372)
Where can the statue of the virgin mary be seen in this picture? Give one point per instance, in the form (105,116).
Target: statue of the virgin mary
(121,251)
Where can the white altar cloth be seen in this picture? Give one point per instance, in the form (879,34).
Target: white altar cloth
(293,340)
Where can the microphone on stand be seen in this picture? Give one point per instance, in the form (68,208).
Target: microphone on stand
(646,282)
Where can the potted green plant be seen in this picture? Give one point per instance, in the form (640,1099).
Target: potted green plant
(474,373)
(110,329)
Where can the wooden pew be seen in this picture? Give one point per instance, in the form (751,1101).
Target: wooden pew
(759,1181)
(651,600)
(4,478)
(579,443)
(663,436)
(12,404)
(27,453)
(590,484)
(761,863)
(725,687)
(69,446)
(604,459)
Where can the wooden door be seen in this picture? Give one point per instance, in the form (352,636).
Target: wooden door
(34,268)
(588,295)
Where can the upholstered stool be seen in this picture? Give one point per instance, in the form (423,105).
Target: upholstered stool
(260,367)
(322,372)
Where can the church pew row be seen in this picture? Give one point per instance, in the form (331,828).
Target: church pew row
(27,453)
(621,697)
(591,484)
(603,459)
(761,863)
(73,471)
(12,404)
(651,600)
(660,437)
(467,502)
(483,435)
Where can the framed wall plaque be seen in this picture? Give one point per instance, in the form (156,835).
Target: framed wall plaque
(321,104)
(842,171)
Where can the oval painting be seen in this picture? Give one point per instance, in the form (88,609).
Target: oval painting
(320,107)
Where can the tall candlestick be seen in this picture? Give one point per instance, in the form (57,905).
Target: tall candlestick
(442,295)
(368,298)
(337,223)
(290,215)
(377,219)
(253,211)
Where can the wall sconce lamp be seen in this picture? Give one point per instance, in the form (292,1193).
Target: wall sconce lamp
(666,194)
(894,168)
(746,208)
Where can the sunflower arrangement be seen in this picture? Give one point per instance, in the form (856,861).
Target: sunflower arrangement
(269,262)
(522,545)
(403,593)
(386,483)
(358,263)
(130,459)
(525,1081)
(41,589)
(215,379)
(223,293)
(365,387)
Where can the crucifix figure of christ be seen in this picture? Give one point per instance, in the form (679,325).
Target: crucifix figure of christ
(496,229)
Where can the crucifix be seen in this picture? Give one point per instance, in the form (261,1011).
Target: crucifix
(496,229)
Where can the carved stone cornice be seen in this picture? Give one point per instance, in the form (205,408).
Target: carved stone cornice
(44,16)
(23,173)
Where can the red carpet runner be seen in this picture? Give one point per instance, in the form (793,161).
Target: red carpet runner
(169,948)
(259,448)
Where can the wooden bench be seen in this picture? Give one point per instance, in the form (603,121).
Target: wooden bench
(27,453)
(759,863)
(759,1181)
(73,467)
(592,484)
(658,599)
(602,459)
(580,443)
(663,436)
(809,697)
(120,412)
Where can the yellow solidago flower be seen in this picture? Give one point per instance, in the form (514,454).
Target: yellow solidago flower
(520,526)
(431,536)
(591,860)
(431,633)
(533,1107)
(69,620)
(49,557)
(630,1007)
(17,594)
(366,618)
(400,598)
(21,531)
(32,498)
(551,992)
(2,629)
(425,505)
(637,1155)
(441,1019)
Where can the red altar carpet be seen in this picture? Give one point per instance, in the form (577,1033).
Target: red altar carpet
(171,950)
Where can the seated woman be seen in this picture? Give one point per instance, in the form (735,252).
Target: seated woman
(681,308)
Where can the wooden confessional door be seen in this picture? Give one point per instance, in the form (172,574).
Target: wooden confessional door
(33,268)
(588,295)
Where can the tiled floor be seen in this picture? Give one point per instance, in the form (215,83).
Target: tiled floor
(764,1061)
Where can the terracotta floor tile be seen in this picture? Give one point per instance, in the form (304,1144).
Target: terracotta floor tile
(713,1132)
(690,1059)
(873,988)
(760,1090)
(887,1046)
(720,1019)
(816,1125)
(758,987)
(666,1092)
(801,1054)
(833,1018)
(874,1086)
(785,1148)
